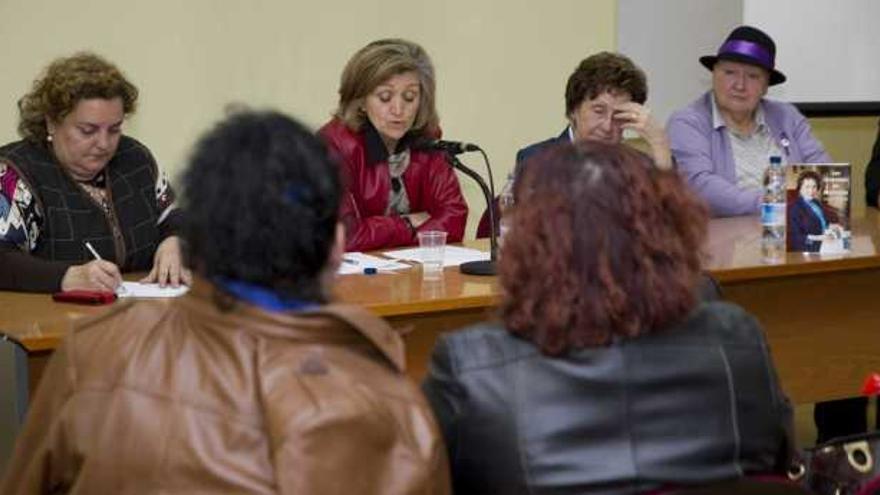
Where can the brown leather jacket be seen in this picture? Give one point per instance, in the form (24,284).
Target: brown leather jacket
(179,397)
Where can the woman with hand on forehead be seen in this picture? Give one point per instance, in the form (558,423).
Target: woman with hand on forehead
(604,95)
(75,188)
(394,188)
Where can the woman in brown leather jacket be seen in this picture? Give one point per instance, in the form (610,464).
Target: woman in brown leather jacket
(253,382)
(605,374)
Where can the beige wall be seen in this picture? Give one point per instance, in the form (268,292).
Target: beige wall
(501,64)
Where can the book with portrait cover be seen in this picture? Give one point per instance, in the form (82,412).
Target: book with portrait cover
(818,208)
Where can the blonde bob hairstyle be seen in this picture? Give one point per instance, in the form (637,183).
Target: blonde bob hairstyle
(65,83)
(374,64)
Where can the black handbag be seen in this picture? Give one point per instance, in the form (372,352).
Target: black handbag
(843,466)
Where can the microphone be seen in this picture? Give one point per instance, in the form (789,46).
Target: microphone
(482,267)
(451,147)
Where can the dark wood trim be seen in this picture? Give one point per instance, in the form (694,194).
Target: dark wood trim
(840,109)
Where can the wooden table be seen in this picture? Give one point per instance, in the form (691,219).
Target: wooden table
(819,313)
(419,309)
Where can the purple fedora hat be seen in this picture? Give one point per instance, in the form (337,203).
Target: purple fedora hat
(750,46)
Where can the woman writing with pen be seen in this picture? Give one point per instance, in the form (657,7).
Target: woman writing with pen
(79,201)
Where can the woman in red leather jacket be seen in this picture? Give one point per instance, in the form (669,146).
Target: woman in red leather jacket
(386,111)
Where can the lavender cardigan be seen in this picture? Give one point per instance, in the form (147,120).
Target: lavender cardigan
(705,159)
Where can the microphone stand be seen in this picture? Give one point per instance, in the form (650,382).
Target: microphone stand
(481,267)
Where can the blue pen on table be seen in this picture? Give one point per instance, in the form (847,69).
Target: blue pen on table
(368,270)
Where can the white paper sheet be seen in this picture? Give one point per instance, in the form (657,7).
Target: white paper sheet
(355,262)
(452,256)
(137,289)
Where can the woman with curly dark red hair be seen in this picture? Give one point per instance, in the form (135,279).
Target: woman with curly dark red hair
(606,374)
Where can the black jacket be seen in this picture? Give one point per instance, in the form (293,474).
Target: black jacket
(695,403)
(872,174)
(535,149)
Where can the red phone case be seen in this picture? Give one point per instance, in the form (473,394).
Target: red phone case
(85,297)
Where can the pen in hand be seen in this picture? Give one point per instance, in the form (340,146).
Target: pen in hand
(92,250)
(109,276)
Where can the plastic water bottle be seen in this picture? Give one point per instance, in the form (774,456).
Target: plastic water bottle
(773,213)
(505,202)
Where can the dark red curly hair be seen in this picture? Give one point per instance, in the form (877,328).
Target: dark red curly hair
(601,244)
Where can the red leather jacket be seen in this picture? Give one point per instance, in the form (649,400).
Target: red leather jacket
(430,182)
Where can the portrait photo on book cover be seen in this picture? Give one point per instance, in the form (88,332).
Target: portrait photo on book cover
(818,208)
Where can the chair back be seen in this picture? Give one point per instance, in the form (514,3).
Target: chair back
(14,396)
(483,228)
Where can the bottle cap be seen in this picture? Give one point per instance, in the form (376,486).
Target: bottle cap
(872,385)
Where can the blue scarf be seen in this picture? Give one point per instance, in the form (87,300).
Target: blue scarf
(263,297)
(817,210)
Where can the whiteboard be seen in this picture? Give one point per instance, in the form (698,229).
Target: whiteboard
(828,49)
(666,39)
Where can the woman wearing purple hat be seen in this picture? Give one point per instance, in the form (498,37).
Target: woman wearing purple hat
(722,142)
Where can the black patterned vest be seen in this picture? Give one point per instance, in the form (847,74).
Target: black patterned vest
(71,217)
